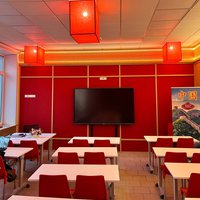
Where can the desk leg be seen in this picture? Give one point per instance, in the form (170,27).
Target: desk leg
(113,161)
(41,154)
(21,170)
(149,158)
(175,188)
(159,172)
(111,191)
(159,184)
(50,147)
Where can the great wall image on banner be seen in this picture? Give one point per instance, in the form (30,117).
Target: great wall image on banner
(186,111)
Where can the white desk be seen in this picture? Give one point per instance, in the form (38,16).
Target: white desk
(113,140)
(160,153)
(191,198)
(19,197)
(110,172)
(18,153)
(153,139)
(181,171)
(40,139)
(110,152)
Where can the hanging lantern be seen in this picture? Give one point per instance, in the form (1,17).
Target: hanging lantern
(172,52)
(84,21)
(33,55)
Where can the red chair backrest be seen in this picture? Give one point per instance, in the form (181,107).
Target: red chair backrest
(102,143)
(54,186)
(193,186)
(94,158)
(80,143)
(195,158)
(3,173)
(185,143)
(68,158)
(178,157)
(11,144)
(33,153)
(90,187)
(164,142)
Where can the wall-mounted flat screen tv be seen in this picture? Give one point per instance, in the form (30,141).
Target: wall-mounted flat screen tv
(104,106)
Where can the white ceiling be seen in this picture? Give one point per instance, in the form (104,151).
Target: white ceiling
(124,24)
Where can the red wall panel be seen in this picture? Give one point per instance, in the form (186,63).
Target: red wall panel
(137,70)
(70,71)
(104,130)
(164,98)
(175,69)
(144,108)
(64,106)
(104,70)
(36,71)
(36,110)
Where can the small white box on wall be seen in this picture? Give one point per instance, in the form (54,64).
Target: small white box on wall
(30,96)
(103,78)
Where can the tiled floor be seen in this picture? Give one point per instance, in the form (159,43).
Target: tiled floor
(136,183)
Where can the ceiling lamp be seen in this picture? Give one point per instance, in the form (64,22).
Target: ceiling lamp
(172,52)
(33,55)
(84,21)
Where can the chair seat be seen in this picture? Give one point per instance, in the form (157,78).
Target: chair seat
(192,190)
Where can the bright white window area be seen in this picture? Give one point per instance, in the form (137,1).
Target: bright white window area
(1,87)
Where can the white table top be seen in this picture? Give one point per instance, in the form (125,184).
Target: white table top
(191,198)
(40,139)
(110,172)
(113,140)
(16,152)
(183,170)
(149,138)
(161,151)
(108,151)
(19,197)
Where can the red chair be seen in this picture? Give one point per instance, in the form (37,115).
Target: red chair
(176,157)
(195,158)
(94,158)
(68,158)
(163,142)
(185,143)
(4,176)
(33,154)
(11,144)
(90,187)
(102,143)
(192,190)
(80,143)
(54,186)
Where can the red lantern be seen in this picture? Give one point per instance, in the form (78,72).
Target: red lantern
(172,52)
(33,55)
(84,21)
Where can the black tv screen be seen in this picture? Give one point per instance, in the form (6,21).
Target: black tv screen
(104,106)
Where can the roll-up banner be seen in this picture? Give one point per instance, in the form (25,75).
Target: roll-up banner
(186,111)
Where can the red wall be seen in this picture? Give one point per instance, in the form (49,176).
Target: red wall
(52,108)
